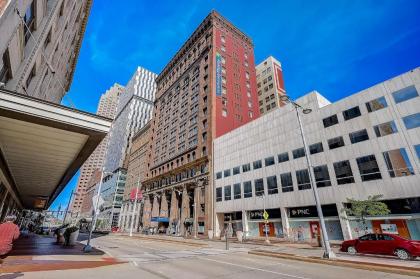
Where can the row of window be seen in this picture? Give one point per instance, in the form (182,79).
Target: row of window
(397,163)
(355,137)
(399,96)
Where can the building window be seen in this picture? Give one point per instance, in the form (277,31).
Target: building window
(30,77)
(246,167)
(257,164)
(368,168)
(351,113)
(219,175)
(236,170)
(412,121)
(29,19)
(247,189)
(226,173)
(322,176)
(272,185)
(358,136)
(335,142)
(298,153)
(405,94)
(219,197)
(302,177)
(237,191)
(417,148)
(286,182)
(384,129)
(398,163)
(5,72)
(343,172)
(376,104)
(259,187)
(269,161)
(228,193)
(316,148)
(329,121)
(283,157)
(224,112)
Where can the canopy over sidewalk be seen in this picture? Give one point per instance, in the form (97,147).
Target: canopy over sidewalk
(42,145)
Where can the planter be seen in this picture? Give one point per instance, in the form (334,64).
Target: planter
(73,238)
(239,235)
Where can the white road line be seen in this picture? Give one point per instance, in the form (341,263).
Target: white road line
(135,263)
(255,268)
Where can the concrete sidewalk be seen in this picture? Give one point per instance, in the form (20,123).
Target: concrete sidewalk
(39,253)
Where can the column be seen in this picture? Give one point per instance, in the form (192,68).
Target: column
(121,217)
(146,212)
(344,222)
(173,213)
(185,209)
(285,222)
(195,208)
(245,227)
(155,210)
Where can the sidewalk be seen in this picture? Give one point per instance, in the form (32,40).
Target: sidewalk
(307,253)
(39,253)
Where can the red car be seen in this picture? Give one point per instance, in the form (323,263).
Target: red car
(385,244)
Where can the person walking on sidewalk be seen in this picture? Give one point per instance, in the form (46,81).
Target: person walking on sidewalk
(9,232)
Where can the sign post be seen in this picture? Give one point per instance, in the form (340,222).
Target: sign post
(265,216)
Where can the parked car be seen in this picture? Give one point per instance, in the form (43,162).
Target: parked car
(385,244)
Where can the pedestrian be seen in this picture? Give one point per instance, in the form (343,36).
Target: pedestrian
(9,232)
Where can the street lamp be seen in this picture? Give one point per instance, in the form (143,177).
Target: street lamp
(328,253)
(88,248)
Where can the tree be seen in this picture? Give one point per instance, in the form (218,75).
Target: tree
(361,209)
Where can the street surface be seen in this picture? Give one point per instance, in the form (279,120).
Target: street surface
(157,259)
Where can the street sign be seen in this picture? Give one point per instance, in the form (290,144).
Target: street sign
(265,215)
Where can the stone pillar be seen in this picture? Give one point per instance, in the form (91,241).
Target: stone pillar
(164,206)
(155,210)
(245,226)
(185,209)
(146,212)
(285,223)
(344,222)
(173,213)
(197,209)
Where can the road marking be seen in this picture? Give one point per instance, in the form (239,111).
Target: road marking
(255,268)
(135,263)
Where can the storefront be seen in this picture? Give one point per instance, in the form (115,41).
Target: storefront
(304,223)
(233,220)
(258,227)
(403,220)
(163,223)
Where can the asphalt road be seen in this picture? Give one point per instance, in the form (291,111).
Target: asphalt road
(157,259)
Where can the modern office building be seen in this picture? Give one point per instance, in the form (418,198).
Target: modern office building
(136,173)
(363,145)
(39,46)
(107,107)
(206,90)
(112,194)
(270,85)
(134,111)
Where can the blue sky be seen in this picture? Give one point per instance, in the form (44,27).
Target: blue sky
(335,47)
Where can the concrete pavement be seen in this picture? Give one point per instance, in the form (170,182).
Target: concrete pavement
(147,258)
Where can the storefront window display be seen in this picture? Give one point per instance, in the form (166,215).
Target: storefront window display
(234,220)
(257,227)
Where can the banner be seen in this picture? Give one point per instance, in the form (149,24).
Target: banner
(218,74)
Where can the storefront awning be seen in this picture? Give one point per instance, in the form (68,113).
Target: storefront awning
(42,145)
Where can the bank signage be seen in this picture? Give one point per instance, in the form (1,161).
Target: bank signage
(259,214)
(311,211)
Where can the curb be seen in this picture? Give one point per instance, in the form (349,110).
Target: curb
(183,242)
(352,264)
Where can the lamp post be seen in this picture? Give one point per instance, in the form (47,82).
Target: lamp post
(328,253)
(134,207)
(88,248)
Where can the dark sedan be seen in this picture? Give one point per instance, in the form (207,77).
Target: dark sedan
(384,244)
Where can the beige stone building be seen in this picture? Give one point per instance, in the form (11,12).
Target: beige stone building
(270,85)
(107,108)
(137,172)
(39,46)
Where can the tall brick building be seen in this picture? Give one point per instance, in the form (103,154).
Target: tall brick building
(205,91)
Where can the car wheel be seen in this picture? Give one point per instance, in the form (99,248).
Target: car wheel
(403,254)
(351,250)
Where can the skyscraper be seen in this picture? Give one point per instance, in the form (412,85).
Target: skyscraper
(39,46)
(205,91)
(107,107)
(134,111)
(270,84)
